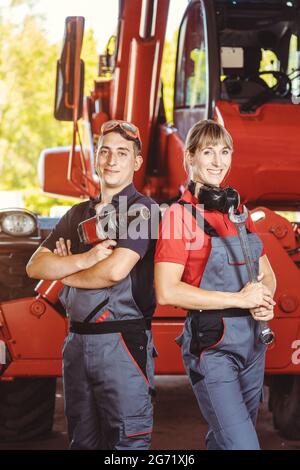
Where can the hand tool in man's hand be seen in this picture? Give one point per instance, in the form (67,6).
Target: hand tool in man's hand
(266,336)
(110,225)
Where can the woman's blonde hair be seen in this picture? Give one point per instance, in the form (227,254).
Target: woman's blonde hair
(203,134)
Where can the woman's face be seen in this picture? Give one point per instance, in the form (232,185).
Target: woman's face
(210,164)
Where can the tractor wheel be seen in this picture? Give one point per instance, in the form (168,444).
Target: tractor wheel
(26,408)
(284,402)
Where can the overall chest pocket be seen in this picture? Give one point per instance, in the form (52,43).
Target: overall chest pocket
(235,255)
(236,271)
(207,329)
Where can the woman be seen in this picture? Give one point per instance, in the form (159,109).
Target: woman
(200,267)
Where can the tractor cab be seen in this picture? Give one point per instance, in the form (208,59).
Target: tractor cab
(239,62)
(259,52)
(246,52)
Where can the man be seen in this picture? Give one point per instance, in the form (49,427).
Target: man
(109,297)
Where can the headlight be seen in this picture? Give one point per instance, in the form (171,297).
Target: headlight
(18,223)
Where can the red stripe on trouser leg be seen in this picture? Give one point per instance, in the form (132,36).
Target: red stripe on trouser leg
(140,433)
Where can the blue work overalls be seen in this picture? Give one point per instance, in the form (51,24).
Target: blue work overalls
(222,353)
(108,369)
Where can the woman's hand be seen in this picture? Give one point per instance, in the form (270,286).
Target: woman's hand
(261,313)
(256,295)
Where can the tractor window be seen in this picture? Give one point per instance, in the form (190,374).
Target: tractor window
(259,51)
(191,61)
(269,62)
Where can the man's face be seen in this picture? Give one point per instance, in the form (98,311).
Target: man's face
(116,161)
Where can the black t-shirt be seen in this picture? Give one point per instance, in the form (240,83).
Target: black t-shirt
(143,272)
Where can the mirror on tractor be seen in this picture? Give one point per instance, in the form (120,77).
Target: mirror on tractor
(70,72)
(53,170)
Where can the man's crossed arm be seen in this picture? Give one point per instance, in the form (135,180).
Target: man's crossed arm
(95,269)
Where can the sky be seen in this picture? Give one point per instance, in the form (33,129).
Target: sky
(103,23)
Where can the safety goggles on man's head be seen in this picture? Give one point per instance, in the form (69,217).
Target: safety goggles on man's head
(129,129)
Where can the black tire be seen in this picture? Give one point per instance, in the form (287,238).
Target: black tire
(284,402)
(26,408)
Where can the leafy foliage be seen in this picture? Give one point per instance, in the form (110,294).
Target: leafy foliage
(27,87)
(168,75)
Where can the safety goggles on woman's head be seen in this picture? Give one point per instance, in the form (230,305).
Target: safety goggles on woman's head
(130,130)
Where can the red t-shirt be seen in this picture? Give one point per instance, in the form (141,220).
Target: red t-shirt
(182,241)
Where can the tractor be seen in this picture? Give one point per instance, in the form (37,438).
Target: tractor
(238,62)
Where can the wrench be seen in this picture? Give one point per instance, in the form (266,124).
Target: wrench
(266,335)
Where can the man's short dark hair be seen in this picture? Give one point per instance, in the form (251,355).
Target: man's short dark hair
(136,145)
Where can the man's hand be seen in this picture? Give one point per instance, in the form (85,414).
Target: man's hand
(113,269)
(62,248)
(98,253)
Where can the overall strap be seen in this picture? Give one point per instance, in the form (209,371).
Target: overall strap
(201,222)
(96,310)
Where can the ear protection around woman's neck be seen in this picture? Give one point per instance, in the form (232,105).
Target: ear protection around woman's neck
(215,198)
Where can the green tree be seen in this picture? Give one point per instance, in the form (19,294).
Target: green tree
(27,123)
(90,56)
(27,87)
(168,75)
